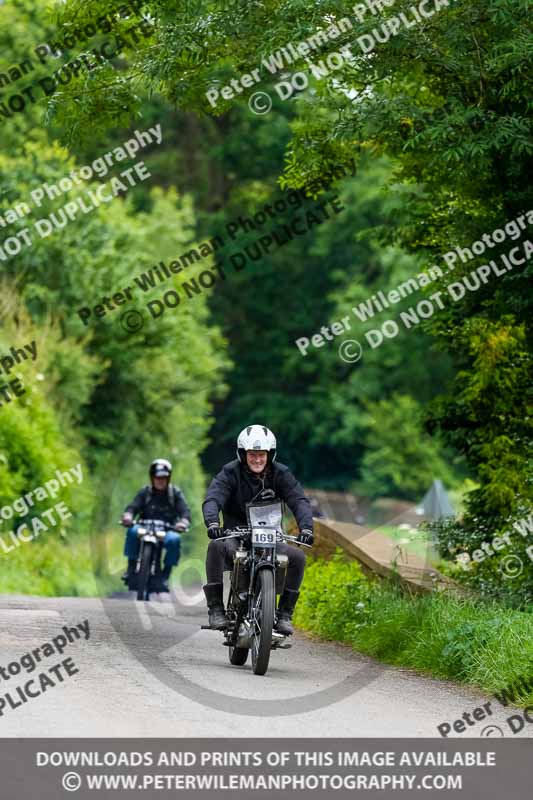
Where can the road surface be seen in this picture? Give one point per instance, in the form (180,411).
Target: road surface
(149,670)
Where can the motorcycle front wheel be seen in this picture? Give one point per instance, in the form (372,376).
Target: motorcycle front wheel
(143,587)
(264,607)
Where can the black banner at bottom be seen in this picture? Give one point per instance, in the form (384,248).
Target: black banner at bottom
(54,769)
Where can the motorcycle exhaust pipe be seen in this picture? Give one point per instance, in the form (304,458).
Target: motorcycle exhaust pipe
(241,572)
(245,635)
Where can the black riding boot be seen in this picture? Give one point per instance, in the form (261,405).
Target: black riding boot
(165,577)
(130,572)
(286,606)
(215,604)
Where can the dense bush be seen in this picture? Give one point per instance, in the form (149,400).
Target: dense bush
(56,566)
(505,575)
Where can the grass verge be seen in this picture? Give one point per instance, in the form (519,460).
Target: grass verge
(473,642)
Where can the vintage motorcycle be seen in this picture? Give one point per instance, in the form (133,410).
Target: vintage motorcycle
(258,575)
(147,577)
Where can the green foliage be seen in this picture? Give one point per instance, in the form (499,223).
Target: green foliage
(489,416)
(53,567)
(400,458)
(459,653)
(441,116)
(482,644)
(317,398)
(348,592)
(506,574)
(96,395)
(449,101)
(35,434)
(153,368)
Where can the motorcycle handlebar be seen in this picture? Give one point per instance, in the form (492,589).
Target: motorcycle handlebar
(240,532)
(295,539)
(144,523)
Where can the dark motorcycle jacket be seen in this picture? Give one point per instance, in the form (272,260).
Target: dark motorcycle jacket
(168,505)
(235,486)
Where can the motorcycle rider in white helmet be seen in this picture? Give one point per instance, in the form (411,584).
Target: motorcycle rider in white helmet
(254,472)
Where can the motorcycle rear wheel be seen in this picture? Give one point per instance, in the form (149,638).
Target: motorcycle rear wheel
(238,655)
(264,603)
(143,587)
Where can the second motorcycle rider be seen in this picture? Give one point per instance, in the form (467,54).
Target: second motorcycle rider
(159,500)
(253,475)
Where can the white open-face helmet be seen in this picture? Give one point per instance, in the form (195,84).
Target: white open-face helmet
(256,437)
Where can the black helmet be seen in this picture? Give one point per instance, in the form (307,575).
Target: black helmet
(160,468)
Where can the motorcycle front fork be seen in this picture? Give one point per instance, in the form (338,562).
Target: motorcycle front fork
(155,570)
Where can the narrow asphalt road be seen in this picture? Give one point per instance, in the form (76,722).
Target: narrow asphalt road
(147,669)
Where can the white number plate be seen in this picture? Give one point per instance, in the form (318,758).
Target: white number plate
(263,538)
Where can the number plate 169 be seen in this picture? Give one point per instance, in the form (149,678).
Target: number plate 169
(263,538)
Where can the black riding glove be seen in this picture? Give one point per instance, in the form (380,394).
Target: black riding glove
(214,531)
(306,536)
